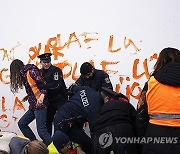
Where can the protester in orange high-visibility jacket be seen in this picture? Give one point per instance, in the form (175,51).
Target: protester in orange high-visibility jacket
(159,106)
(29,76)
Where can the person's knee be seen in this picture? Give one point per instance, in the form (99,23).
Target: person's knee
(21,123)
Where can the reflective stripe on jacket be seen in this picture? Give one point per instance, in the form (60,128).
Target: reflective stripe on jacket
(163,100)
(33,86)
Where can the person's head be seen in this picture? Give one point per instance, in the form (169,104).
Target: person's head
(87,70)
(109,95)
(3,152)
(36,147)
(16,82)
(61,141)
(45,60)
(167,55)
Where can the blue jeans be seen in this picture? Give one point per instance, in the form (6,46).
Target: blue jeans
(40,116)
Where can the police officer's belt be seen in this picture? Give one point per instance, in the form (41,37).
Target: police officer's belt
(162,116)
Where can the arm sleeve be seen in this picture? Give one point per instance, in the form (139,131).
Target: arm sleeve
(36,76)
(106,81)
(169,74)
(142,117)
(80,81)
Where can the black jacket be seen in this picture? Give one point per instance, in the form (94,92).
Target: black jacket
(99,79)
(56,88)
(115,112)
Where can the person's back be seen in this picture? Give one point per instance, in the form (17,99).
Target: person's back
(85,102)
(114,112)
(83,107)
(117,119)
(158,108)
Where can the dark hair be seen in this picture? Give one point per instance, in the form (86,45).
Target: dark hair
(16,82)
(86,68)
(167,55)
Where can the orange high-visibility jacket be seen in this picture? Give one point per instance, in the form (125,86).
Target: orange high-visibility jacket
(164,100)
(33,86)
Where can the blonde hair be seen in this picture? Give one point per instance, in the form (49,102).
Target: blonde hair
(36,147)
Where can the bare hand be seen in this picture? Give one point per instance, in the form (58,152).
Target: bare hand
(40,100)
(79,150)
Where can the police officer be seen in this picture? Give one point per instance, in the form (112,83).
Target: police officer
(56,88)
(84,106)
(93,78)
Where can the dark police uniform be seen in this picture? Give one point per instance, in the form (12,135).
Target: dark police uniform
(99,79)
(86,102)
(56,89)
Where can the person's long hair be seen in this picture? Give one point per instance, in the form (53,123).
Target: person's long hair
(16,81)
(166,55)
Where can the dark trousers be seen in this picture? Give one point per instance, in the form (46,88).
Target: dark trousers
(105,140)
(166,134)
(51,111)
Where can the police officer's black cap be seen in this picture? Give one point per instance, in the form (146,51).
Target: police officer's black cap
(108,92)
(112,94)
(45,57)
(86,68)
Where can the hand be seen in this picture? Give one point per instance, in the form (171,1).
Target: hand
(86,125)
(79,150)
(40,100)
(25,99)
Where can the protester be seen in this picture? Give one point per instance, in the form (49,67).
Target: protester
(84,106)
(93,78)
(21,145)
(55,86)
(117,119)
(11,143)
(29,77)
(158,108)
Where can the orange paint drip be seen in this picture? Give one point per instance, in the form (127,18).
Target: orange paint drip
(54,44)
(3,117)
(111,38)
(128,42)
(88,39)
(76,40)
(3,104)
(1,76)
(104,63)
(18,105)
